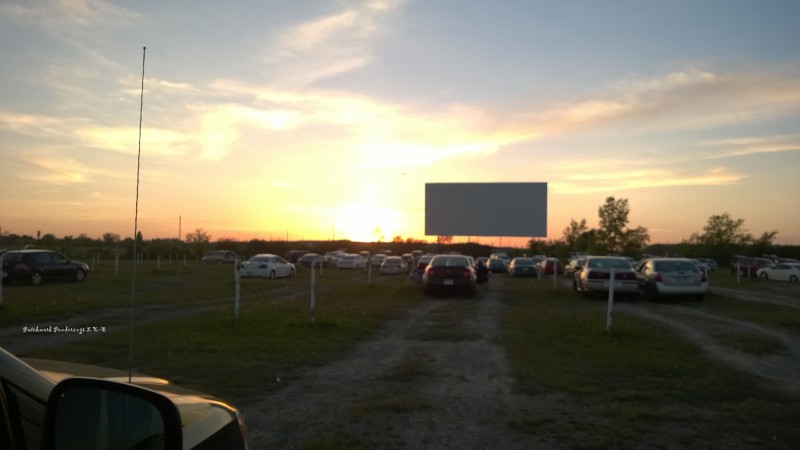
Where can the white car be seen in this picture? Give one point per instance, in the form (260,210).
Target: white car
(377,259)
(393,265)
(781,272)
(266,265)
(351,261)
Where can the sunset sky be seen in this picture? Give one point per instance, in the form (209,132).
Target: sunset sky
(325,119)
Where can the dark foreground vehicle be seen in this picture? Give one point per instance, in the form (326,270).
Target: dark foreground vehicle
(449,273)
(53,405)
(35,266)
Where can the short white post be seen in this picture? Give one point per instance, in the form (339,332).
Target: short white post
(313,303)
(237,295)
(610,312)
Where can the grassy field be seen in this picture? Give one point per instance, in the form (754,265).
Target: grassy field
(640,381)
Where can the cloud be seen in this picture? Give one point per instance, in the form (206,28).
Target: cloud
(62,13)
(691,99)
(752,145)
(623,175)
(331,45)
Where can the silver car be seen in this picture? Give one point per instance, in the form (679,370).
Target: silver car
(661,277)
(595,276)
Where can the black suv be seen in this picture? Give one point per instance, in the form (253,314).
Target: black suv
(35,266)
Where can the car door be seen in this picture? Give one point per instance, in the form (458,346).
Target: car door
(281,267)
(61,266)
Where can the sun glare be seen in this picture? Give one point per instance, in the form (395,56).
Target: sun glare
(367,223)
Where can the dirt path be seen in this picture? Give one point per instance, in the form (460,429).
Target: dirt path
(779,371)
(435,379)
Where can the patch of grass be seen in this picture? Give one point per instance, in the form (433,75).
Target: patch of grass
(336,441)
(633,380)
(233,358)
(398,404)
(756,344)
(413,367)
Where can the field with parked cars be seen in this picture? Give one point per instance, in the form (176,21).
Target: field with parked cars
(521,363)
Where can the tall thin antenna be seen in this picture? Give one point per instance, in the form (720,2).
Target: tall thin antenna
(136,224)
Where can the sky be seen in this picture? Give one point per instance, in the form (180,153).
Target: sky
(314,120)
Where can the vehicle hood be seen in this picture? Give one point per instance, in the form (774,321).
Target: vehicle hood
(202,415)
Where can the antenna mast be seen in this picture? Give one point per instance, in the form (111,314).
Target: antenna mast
(136,223)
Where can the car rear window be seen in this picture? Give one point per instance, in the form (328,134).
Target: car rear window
(608,263)
(441,261)
(675,266)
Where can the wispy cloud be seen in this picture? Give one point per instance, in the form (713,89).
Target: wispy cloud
(753,145)
(331,45)
(80,13)
(608,176)
(692,99)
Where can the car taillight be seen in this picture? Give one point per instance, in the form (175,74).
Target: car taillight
(598,275)
(467,273)
(625,276)
(658,278)
(704,278)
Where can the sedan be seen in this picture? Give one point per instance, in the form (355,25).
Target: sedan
(549,266)
(497,265)
(660,277)
(351,261)
(782,272)
(595,276)
(393,265)
(522,267)
(266,265)
(449,273)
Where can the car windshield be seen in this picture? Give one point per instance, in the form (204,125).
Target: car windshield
(523,262)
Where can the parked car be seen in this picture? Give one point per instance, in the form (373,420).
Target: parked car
(497,265)
(422,264)
(293,255)
(575,264)
(550,265)
(711,264)
(351,261)
(521,267)
(449,273)
(36,266)
(748,266)
(595,276)
(311,259)
(393,265)
(219,257)
(661,277)
(50,404)
(266,265)
(782,272)
(377,259)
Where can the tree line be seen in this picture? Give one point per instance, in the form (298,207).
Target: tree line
(721,238)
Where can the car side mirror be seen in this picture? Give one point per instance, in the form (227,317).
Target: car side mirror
(85,413)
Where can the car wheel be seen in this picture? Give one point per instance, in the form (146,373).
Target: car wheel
(764,276)
(271,275)
(37,278)
(793,279)
(80,275)
(291,273)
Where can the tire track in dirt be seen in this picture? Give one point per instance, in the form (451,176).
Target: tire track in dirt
(434,379)
(779,370)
